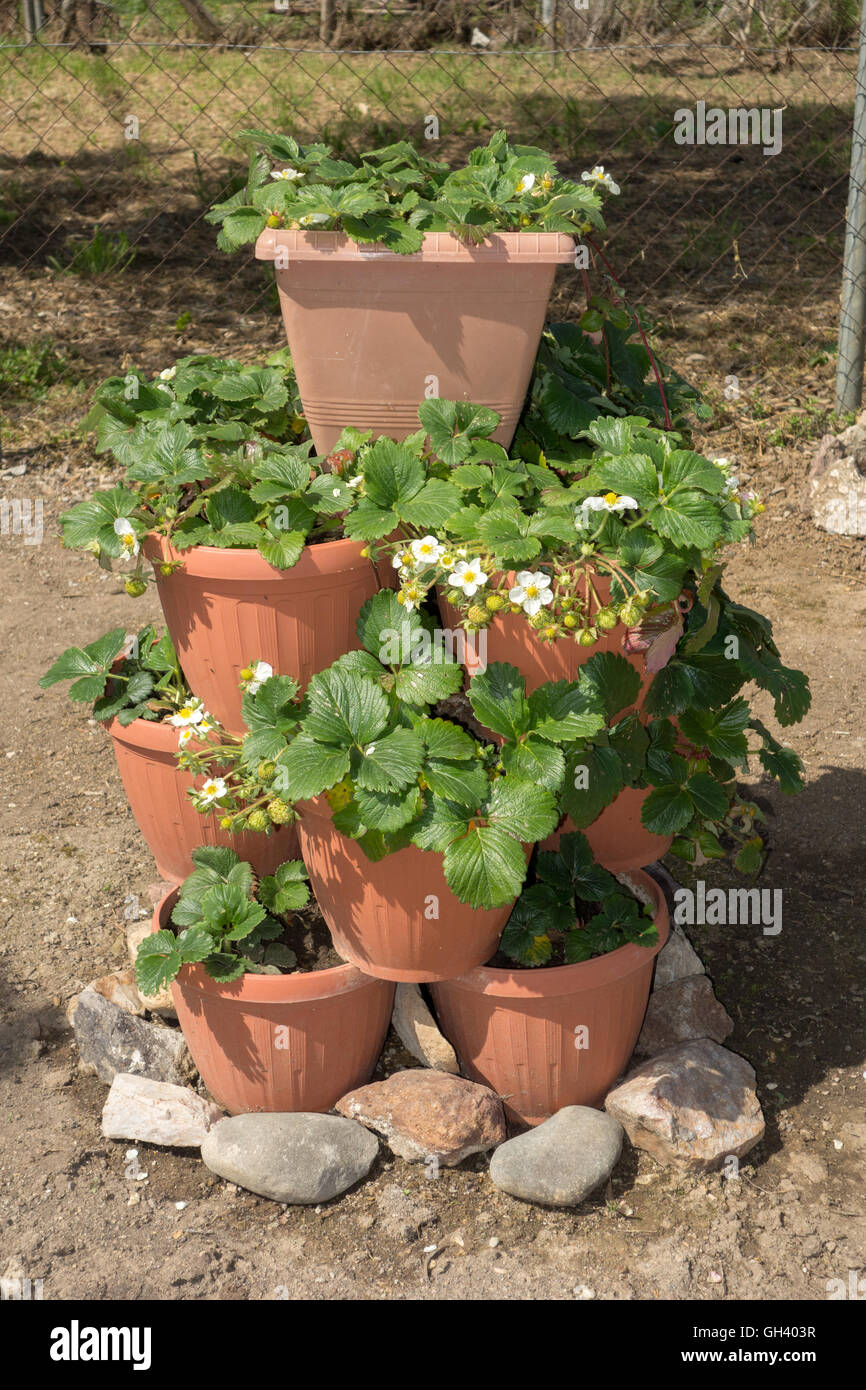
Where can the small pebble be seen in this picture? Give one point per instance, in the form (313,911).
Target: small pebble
(493,1242)
(583,1291)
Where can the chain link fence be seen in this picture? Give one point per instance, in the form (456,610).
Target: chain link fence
(727,126)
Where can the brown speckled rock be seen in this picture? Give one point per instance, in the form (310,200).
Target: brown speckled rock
(429,1115)
(691,1107)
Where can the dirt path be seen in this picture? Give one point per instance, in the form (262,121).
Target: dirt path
(71,856)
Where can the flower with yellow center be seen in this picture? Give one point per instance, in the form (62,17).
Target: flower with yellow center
(532,591)
(213,789)
(256,676)
(124,529)
(189,715)
(426,551)
(468,576)
(609,502)
(598,176)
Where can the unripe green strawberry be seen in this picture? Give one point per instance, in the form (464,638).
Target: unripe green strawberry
(279,812)
(266,770)
(495,602)
(166,569)
(135,587)
(226,823)
(631,613)
(550,632)
(259,819)
(587,637)
(274,221)
(569,620)
(478,615)
(606,619)
(453,596)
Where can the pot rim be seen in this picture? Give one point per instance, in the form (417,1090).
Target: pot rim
(531,247)
(544,981)
(154,735)
(214,562)
(264,989)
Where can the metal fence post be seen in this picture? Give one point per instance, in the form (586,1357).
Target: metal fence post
(852,317)
(34,18)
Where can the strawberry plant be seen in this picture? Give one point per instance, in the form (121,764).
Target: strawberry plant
(392,196)
(211,457)
(395,774)
(225,922)
(126,676)
(573,910)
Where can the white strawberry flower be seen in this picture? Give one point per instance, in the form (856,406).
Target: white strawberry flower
(410,596)
(288,174)
(532,591)
(356,481)
(189,715)
(468,576)
(313,219)
(168,374)
(262,671)
(212,790)
(185,736)
(427,550)
(525,184)
(124,529)
(610,502)
(597,175)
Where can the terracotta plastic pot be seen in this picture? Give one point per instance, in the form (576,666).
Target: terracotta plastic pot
(226,608)
(510,638)
(377,912)
(281,1042)
(371,331)
(156,789)
(617,838)
(521,1032)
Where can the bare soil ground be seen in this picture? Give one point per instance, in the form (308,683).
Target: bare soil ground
(71,854)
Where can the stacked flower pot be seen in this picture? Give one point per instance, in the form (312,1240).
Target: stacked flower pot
(271,738)
(300,1041)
